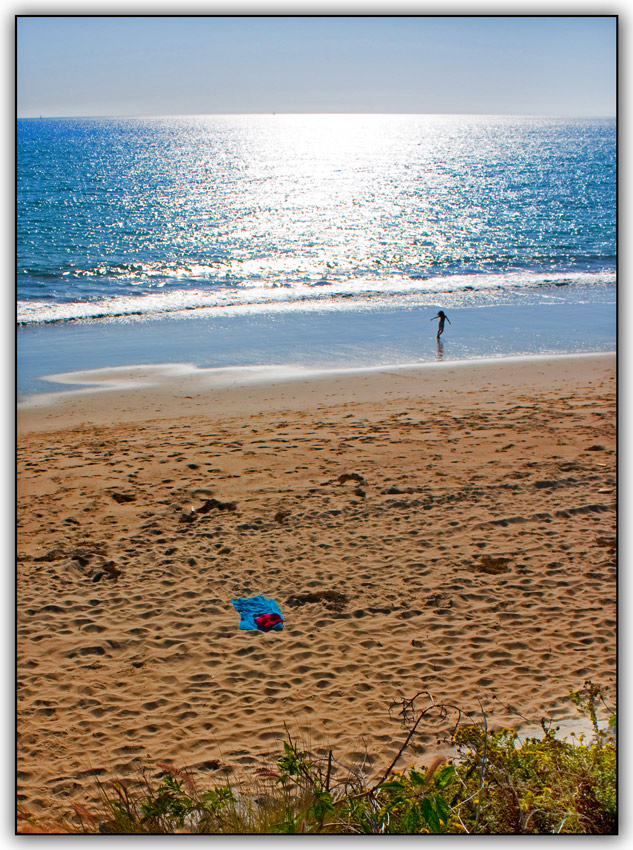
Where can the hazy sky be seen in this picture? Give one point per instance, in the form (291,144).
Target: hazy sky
(177,65)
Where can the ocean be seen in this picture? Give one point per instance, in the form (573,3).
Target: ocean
(324,240)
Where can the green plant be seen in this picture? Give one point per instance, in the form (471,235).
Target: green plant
(587,699)
(497,784)
(540,785)
(417,801)
(298,768)
(164,809)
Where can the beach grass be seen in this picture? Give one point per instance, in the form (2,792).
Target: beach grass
(497,783)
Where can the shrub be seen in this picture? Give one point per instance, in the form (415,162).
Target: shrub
(497,785)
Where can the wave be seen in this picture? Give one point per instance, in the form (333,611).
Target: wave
(398,291)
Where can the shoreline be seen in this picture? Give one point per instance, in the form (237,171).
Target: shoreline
(106,392)
(446,528)
(322,340)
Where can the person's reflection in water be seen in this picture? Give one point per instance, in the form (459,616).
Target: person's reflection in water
(440,349)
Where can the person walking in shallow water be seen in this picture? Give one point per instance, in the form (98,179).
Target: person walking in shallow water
(441,315)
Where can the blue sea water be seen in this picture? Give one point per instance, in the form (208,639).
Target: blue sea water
(325,238)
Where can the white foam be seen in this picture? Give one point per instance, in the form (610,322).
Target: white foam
(319,294)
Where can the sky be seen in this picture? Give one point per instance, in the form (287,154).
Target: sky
(252,63)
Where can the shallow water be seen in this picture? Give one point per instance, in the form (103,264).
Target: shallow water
(322,340)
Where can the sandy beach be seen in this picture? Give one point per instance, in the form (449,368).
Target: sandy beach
(447,528)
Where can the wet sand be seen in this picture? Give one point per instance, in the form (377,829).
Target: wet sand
(448,529)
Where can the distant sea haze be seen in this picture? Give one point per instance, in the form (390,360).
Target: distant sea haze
(238,215)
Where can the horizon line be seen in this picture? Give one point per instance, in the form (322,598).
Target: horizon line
(37,117)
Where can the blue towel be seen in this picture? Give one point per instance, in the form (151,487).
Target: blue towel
(253,607)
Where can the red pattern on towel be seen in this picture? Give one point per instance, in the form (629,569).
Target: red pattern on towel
(267,621)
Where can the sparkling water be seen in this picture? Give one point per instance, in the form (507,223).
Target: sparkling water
(256,218)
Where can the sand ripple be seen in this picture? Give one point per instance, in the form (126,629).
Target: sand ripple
(465,549)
